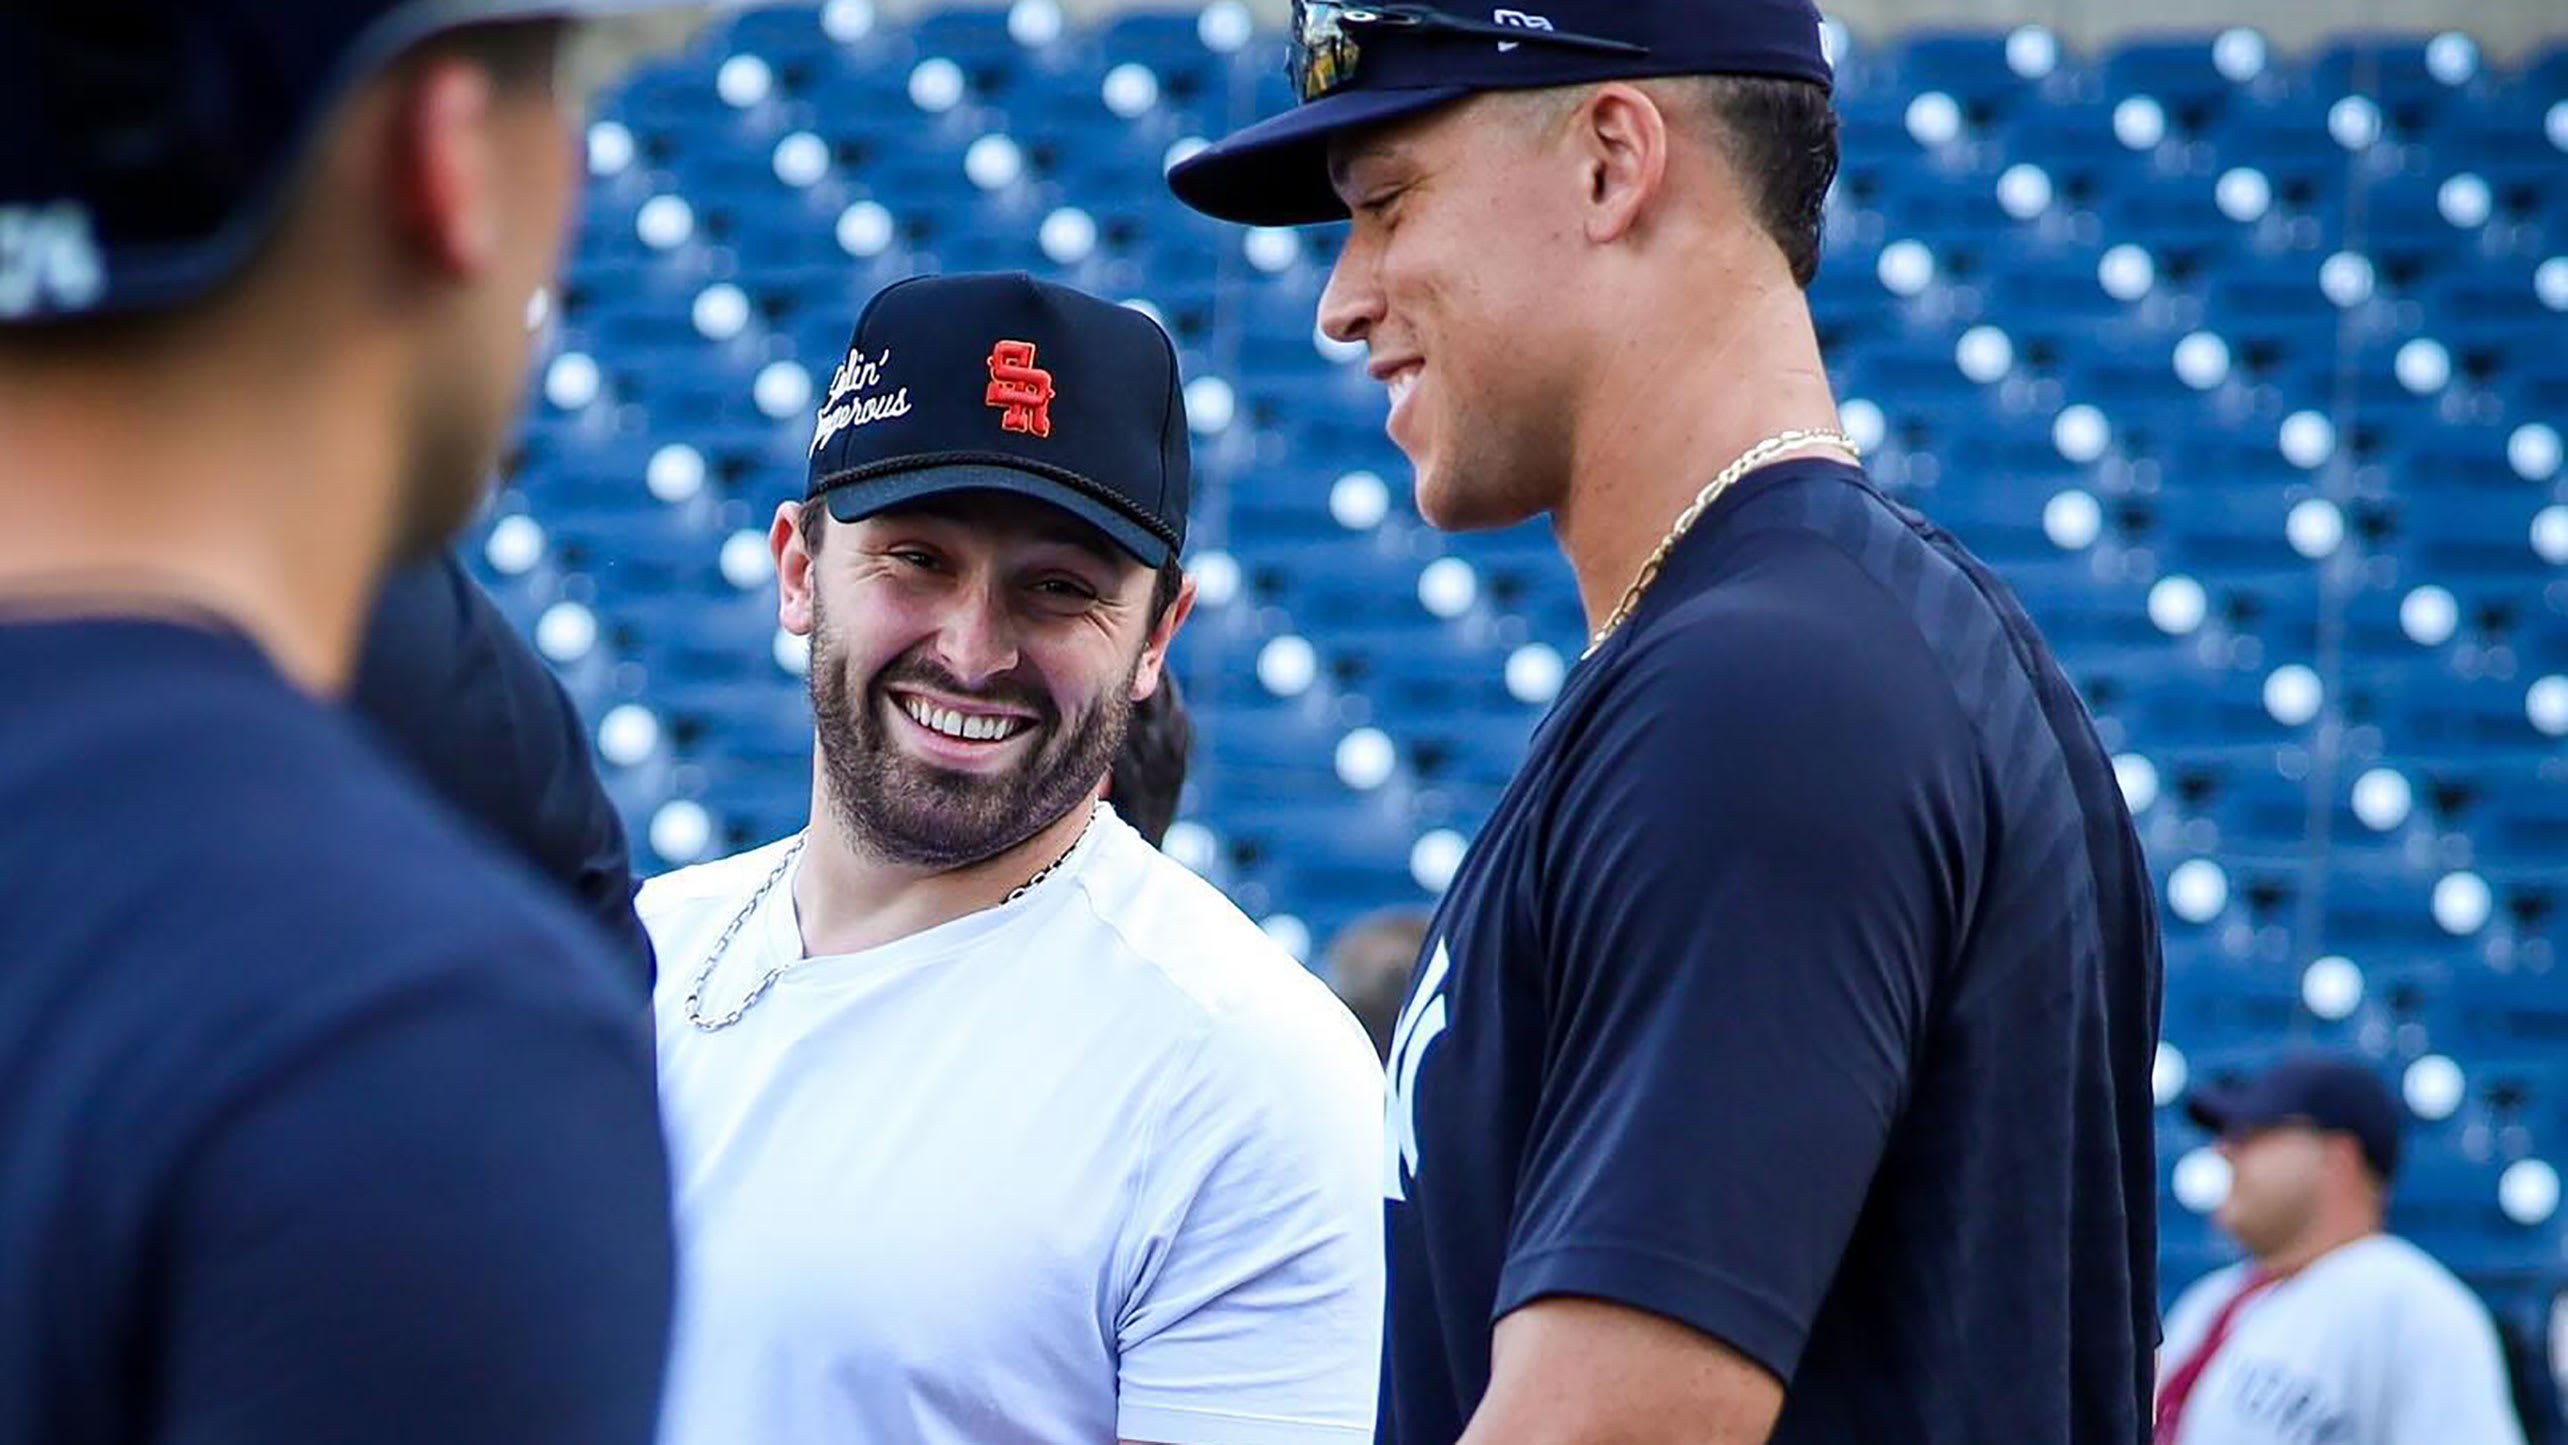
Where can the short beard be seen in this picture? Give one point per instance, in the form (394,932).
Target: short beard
(914,814)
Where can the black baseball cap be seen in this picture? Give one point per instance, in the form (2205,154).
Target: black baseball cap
(1000,382)
(145,145)
(2318,1090)
(1365,65)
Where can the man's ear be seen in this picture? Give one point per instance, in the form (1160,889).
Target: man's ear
(1154,654)
(793,569)
(1624,137)
(446,154)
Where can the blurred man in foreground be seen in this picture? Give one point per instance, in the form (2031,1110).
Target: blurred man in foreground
(325,1122)
(2331,1330)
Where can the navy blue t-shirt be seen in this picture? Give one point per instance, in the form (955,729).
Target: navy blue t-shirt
(1803,989)
(324,1122)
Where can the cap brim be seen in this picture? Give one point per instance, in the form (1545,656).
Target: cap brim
(1276,172)
(856,500)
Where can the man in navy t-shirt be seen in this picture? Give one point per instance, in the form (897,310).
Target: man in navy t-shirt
(1778,1065)
(326,1122)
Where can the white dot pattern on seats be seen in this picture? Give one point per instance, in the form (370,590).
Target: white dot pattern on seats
(675,473)
(2032,52)
(2383,799)
(1130,90)
(664,222)
(2528,1191)
(1068,236)
(2072,520)
(2354,122)
(2462,903)
(2332,988)
(936,85)
(743,81)
(681,830)
(1210,406)
(2345,279)
(994,162)
(2177,605)
(2239,55)
(2139,122)
(2293,695)
(2315,528)
(2024,190)
(1034,24)
(2168,1074)
(628,734)
(864,230)
(2429,615)
(2433,1087)
(2201,1180)
(516,545)
(1359,501)
(1365,759)
(566,632)
(2243,194)
(2198,890)
(2138,779)
(1435,858)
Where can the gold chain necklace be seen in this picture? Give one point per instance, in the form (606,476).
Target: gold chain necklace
(1748,461)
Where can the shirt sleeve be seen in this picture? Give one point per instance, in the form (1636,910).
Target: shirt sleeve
(1254,1316)
(447,1223)
(2447,1375)
(1759,854)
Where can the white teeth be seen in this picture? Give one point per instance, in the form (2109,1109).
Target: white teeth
(953,724)
(1401,386)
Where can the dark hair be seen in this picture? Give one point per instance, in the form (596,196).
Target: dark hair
(1782,140)
(1150,771)
(813,524)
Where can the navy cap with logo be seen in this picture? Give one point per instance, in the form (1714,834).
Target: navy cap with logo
(1355,66)
(1003,383)
(2317,1090)
(145,145)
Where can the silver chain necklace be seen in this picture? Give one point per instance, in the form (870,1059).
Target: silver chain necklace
(695,991)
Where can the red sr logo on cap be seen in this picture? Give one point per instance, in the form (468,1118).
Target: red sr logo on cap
(1023,388)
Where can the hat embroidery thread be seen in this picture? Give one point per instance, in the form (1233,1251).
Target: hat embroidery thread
(1022,389)
(856,374)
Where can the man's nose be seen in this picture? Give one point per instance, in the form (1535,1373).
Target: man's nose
(976,638)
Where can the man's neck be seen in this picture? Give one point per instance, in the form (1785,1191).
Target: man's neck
(1671,408)
(177,495)
(848,899)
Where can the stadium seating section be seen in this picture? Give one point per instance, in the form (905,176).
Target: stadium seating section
(2248,370)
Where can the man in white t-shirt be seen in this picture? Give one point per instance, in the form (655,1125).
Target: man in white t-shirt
(2331,1332)
(990,1123)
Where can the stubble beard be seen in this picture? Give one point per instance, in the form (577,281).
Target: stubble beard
(905,811)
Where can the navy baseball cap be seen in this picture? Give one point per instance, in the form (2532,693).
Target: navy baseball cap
(1364,65)
(1000,382)
(2317,1090)
(145,145)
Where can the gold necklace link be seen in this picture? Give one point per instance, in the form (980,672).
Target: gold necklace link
(1747,462)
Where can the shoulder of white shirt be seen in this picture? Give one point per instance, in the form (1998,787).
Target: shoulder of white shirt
(732,877)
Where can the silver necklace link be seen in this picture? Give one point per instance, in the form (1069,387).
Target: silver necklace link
(1748,461)
(695,991)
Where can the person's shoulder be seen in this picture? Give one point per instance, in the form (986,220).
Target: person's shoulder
(681,892)
(2398,1275)
(1241,988)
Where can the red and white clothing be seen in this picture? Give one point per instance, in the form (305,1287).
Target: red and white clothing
(2374,1343)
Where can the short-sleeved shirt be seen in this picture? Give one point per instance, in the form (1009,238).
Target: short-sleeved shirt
(1802,988)
(325,1123)
(1096,1163)
(2373,1343)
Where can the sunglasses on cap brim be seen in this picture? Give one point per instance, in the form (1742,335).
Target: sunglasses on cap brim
(1329,39)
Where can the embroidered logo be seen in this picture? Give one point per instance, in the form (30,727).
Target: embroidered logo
(844,408)
(1421,1024)
(1522,20)
(1021,388)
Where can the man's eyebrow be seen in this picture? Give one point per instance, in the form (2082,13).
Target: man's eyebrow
(1085,539)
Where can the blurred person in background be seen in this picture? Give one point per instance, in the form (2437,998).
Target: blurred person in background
(2331,1329)
(994,1125)
(462,699)
(1149,773)
(1369,964)
(325,1121)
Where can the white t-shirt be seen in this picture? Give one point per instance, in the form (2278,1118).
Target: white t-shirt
(2373,1344)
(1100,1162)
